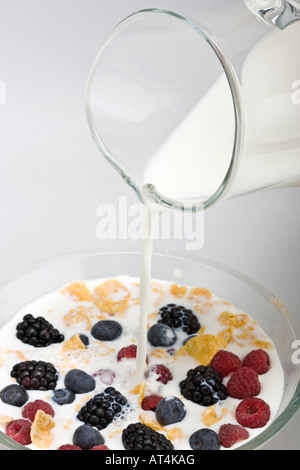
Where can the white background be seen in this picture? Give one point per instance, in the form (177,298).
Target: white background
(53,178)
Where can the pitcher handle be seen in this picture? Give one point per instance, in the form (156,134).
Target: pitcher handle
(276,13)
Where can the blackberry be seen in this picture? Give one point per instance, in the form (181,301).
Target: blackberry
(203,385)
(177,316)
(100,410)
(38,332)
(138,436)
(35,375)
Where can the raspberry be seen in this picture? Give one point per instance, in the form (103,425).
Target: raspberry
(102,447)
(258,360)
(226,362)
(29,411)
(243,383)
(127,352)
(150,402)
(164,374)
(253,413)
(69,447)
(107,376)
(19,431)
(230,434)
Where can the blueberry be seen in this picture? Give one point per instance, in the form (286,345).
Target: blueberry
(87,437)
(170,410)
(14,394)
(204,439)
(63,396)
(106,330)
(79,381)
(161,335)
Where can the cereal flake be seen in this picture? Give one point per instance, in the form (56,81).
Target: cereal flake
(178,291)
(112,297)
(40,430)
(78,290)
(202,348)
(73,343)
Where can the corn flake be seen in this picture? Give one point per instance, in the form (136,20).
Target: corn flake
(5,419)
(175,433)
(73,343)
(235,320)
(139,390)
(178,291)
(81,314)
(141,393)
(200,292)
(160,353)
(78,290)
(40,430)
(262,344)
(210,416)
(225,336)
(112,297)
(203,348)
(145,419)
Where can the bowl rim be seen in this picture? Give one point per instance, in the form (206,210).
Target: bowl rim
(278,423)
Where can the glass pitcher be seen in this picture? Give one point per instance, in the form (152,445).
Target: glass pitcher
(192,110)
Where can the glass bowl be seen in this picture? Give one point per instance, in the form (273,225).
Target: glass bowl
(185,269)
